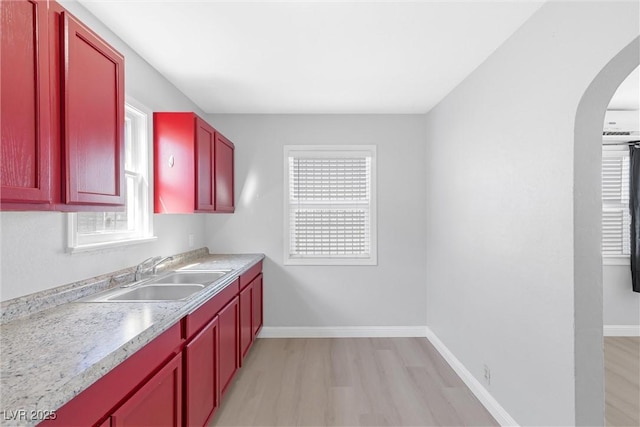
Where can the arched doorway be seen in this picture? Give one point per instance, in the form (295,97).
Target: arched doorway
(588,348)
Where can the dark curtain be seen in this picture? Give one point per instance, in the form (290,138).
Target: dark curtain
(634,207)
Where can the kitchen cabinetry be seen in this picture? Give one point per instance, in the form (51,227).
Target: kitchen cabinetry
(62,112)
(92,92)
(224,196)
(193,165)
(157,403)
(205,166)
(202,353)
(24,114)
(229,356)
(246,326)
(148,379)
(250,308)
(201,376)
(180,377)
(256,306)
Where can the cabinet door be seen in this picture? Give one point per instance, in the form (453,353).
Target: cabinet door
(257,304)
(201,376)
(228,359)
(93,117)
(24,110)
(205,189)
(224,174)
(157,403)
(173,161)
(246,327)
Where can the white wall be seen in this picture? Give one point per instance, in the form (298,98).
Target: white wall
(500,214)
(33,244)
(390,294)
(621,304)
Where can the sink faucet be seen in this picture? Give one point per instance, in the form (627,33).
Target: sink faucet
(155,265)
(150,263)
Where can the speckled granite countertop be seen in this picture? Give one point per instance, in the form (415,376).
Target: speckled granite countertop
(49,357)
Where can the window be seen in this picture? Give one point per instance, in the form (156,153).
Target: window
(616,218)
(90,230)
(330,205)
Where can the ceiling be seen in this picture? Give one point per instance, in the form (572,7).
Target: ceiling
(314,56)
(627,97)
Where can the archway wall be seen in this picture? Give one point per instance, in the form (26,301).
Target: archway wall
(588,302)
(501,249)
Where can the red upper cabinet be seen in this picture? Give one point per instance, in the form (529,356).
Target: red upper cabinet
(93,111)
(224,174)
(62,112)
(205,165)
(173,157)
(26,163)
(193,165)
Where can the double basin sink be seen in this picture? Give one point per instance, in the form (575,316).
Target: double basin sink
(175,286)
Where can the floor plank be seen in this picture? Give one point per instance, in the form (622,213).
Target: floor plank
(622,381)
(348,382)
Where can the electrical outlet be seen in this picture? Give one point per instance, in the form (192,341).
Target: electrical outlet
(190,240)
(487,374)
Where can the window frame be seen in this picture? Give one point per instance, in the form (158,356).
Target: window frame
(336,260)
(142,125)
(613,150)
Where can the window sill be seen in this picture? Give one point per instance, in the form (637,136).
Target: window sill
(616,260)
(331,261)
(108,245)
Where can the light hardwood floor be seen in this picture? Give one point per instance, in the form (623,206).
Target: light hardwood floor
(348,382)
(622,381)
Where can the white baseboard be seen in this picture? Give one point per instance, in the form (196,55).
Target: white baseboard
(342,332)
(483,395)
(621,330)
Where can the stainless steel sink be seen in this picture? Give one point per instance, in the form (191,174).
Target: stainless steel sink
(157,292)
(200,277)
(175,286)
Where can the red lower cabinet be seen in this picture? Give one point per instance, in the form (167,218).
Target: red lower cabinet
(179,378)
(246,326)
(157,403)
(256,306)
(201,376)
(228,359)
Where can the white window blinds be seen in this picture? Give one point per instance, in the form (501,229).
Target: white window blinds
(330,205)
(616,218)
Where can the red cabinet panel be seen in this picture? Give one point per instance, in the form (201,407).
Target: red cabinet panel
(224,174)
(174,170)
(93,88)
(157,403)
(99,400)
(228,359)
(246,326)
(24,111)
(257,305)
(205,188)
(62,112)
(199,318)
(193,165)
(201,376)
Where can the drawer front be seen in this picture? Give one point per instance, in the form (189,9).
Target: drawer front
(249,275)
(199,318)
